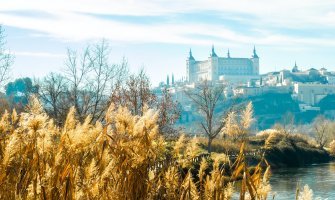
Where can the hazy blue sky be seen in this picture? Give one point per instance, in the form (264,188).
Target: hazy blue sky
(157,34)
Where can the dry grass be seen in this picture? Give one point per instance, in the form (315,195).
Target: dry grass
(123,158)
(227,145)
(220,145)
(274,138)
(332,147)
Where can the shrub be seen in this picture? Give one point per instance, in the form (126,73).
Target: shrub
(332,147)
(267,132)
(273,139)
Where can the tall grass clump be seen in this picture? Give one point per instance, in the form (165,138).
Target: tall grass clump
(237,124)
(123,157)
(305,194)
(332,147)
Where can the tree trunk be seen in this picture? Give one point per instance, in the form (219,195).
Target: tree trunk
(209,147)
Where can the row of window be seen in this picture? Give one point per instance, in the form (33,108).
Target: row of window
(327,91)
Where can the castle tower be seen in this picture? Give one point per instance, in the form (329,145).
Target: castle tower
(213,54)
(190,71)
(255,62)
(172,79)
(214,66)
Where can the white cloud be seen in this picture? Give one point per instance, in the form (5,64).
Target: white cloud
(38,54)
(70,24)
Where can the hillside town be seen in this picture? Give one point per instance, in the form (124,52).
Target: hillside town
(241,78)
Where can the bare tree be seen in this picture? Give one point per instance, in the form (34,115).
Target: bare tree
(117,93)
(322,130)
(91,79)
(135,93)
(287,124)
(76,72)
(169,113)
(6,59)
(54,94)
(206,97)
(104,77)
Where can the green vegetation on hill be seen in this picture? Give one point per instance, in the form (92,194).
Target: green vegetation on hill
(274,103)
(327,103)
(271,108)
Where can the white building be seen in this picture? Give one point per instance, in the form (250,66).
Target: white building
(248,91)
(330,79)
(311,94)
(222,68)
(256,90)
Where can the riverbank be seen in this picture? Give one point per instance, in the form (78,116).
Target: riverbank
(293,150)
(280,150)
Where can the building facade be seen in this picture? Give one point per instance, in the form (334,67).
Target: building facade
(215,67)
(312,94)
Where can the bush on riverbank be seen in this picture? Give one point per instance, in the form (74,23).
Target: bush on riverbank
(292,150)
(281,150)
(332,148)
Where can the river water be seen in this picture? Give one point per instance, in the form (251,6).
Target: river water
(320,178)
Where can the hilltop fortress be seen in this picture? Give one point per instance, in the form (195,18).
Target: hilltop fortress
(222,68)
(308,87)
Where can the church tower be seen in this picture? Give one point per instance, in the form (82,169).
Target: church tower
(190,65)
(295,68)
(255,62)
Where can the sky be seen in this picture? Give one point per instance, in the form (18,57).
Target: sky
(157,34)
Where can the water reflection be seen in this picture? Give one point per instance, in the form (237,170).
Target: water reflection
(320,178)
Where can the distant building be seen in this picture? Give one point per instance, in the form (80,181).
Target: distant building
(289,77)
(248,91)
(311,94)
(295,68)
(330,79)
(217,68)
